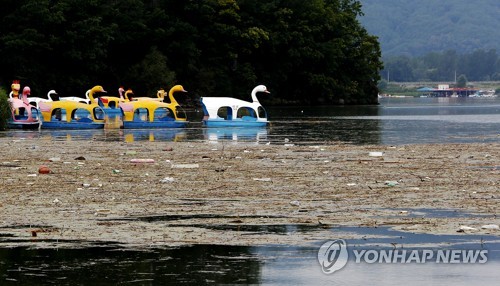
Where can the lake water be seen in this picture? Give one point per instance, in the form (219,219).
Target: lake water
(103,264)
(394,121)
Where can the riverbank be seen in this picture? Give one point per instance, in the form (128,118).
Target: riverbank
(177,193)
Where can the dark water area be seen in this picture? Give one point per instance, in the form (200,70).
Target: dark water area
(268,264)
(394,121)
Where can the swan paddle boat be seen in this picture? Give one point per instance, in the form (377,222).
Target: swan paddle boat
(23,114)
(153,113)
(233,112)
(68,114)
(51,96)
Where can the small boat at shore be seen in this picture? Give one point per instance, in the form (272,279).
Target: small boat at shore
(68,114)
(233,112)
(154,114)
(23,114)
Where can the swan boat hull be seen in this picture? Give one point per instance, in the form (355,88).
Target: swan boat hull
(232,112)
(146,114)
(11,124)
(233,123)
(71,115)
(23,115)
(72,125)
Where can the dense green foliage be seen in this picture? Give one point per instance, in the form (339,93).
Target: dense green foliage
(479,65)
(304,51)
(4,109)
(415,28)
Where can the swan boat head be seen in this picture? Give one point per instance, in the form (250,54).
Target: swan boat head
(174,89)
(15,87)
(90,93)
(259,88)
(50,94)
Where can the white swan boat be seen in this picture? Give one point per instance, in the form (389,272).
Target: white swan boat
(233,112)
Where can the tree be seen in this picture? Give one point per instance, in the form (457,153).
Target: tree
(5,112)
(151,73)
(462,81)
(312,52)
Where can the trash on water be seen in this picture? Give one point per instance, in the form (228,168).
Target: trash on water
(376,154)
(54,159)
(142,160)
(56,200)
(115,171)
(295,203)
(490,226)
(262,179)
(185,166)
(80,158)
(102,212)
(351,184)
(131,152)
(391,183)
(86,185)
(464,228)
(44,170)
(167,180)
(168,149)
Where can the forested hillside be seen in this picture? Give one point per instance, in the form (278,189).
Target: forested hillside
(306,52)
(413,28)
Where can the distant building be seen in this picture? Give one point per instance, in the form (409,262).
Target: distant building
(444,90)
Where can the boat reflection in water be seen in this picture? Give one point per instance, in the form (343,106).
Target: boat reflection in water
(112,135)
(164,134)
(246,134)
(71,134)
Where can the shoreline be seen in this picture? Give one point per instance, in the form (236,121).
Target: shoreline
(143,194)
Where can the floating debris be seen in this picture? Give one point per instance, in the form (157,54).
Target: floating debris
(44,170)
(391,183)
(490,226)
(167,180)
(376,154)
(262,179)
(185,166)
(142,160)
(464,228)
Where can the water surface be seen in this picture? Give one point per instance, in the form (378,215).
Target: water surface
(394,121)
